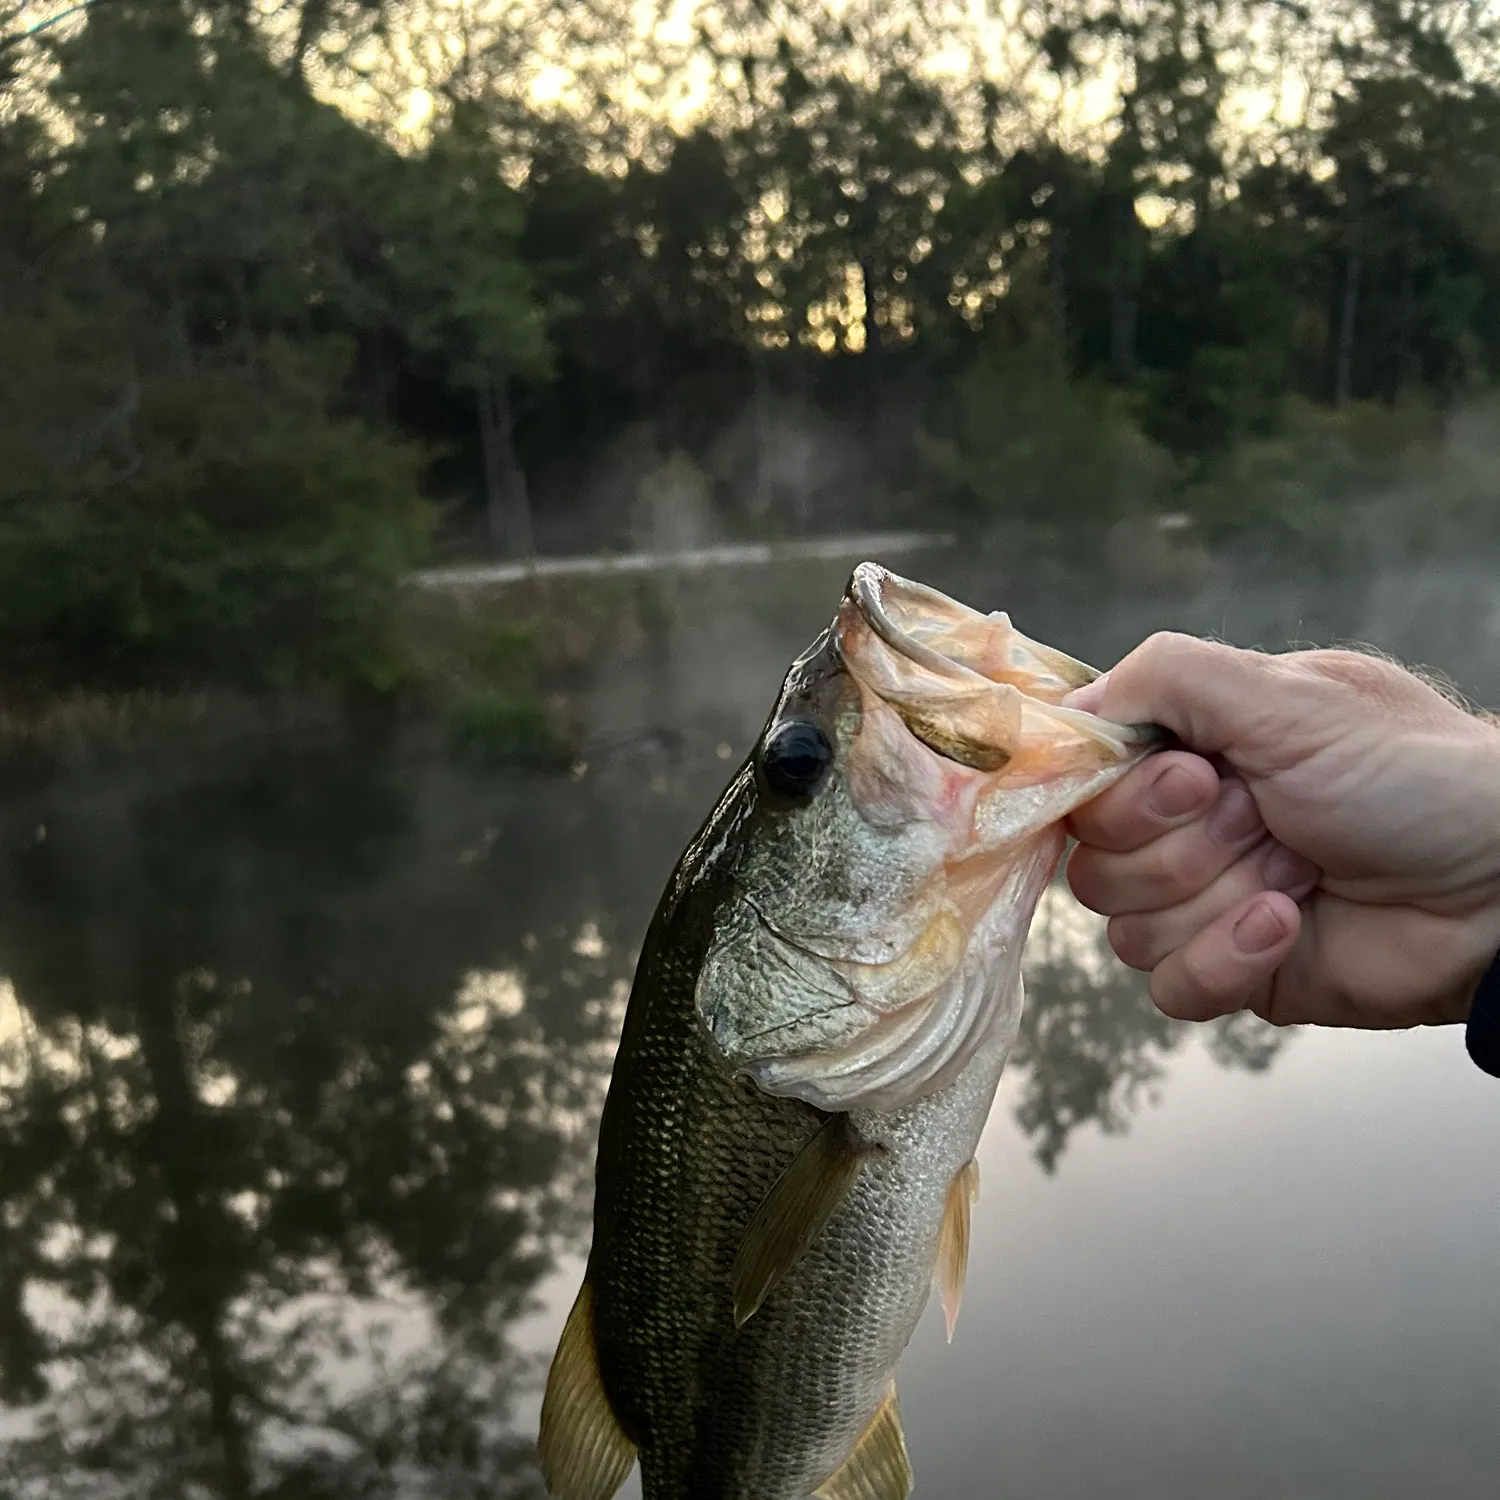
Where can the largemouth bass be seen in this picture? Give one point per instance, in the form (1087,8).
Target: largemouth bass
(822,1009)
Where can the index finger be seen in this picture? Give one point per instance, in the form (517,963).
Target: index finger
(1163,792)
(1212,696)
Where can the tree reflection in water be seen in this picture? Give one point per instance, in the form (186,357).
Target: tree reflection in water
(1093,1047)
(290,1126)
(285,1285)
(300,1066)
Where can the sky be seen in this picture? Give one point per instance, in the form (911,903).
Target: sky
(531,47)
(431,39)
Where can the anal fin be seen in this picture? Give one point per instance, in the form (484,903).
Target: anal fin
(585,1454)
(953,1243)
(794,1214)
(878,1468)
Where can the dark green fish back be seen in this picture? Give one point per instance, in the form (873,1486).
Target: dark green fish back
(686,1154)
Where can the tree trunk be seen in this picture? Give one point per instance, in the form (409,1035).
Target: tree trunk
(177,325)
(1343,374)
(760,500)
(1058,270)
(1124,295)
(379,370)
(310,25)
(195,1275)
(1404,373)
(507,501)
(1122,322)
(871,327)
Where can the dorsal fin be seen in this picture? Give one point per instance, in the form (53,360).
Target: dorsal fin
(794,1213)
(585,1454)
(878,1468)
(953,1243)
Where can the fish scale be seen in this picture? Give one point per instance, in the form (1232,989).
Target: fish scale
(769,1411)
(818,1024)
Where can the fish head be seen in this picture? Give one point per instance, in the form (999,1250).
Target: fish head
(902,816)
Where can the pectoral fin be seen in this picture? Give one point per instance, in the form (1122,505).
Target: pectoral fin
(585,1455)
(794,1213)
(953,1243)
(878,1469)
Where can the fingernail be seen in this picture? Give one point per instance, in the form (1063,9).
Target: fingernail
(1173,793)
(1260,928)
(1286,870)
(1235,815)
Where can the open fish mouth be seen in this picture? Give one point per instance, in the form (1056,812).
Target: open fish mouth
(970,686)
(874,976)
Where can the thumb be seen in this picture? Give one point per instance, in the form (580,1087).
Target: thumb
(1211,696)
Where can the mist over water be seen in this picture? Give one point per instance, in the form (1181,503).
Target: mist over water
(301,1054)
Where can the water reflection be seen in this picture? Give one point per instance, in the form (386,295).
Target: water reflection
(300,1063)
(295,1110)
(1093,1049)
(301,1055)
(277,1284)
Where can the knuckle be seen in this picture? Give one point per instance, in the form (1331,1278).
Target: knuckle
(1210,968)
(1361,670)
(1135,942)
(1156,656)
(1205,974)
(1083,879)
(1173,996)
(1268,1010)
(1089,880)
(1099,817)
(1181,864)
(1377,679)
(1173,651)
(1169,645)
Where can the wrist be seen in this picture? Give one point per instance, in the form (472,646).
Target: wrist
(1473,773)
(1484,947)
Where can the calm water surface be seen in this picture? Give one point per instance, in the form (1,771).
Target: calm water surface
(301,1055)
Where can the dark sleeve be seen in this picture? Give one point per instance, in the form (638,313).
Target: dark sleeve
(1483,1033)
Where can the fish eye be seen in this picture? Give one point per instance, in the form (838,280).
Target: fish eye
(795,758)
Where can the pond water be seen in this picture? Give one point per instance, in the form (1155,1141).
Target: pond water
(301,1054)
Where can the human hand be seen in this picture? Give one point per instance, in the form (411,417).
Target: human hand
(1326,852)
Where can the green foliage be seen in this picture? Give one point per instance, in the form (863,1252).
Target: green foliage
(1316,462)
(481,671)
(1025,444)
(246,331)
(461,297)
(1369,479)
(500,726)
(235,531)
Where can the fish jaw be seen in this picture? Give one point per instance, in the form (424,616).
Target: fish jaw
(971,686)
(886,1058)
(942,833)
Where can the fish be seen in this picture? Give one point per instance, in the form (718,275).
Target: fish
(822,1007)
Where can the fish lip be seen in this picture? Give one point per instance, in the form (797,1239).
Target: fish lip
(867,584)
(865,606)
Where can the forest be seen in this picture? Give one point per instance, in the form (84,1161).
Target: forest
(297,294)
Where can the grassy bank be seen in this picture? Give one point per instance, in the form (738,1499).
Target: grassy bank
(502,673)
(491,673)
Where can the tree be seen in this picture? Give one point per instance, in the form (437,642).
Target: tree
(467,300)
